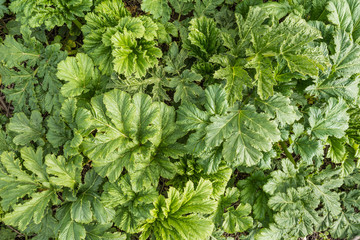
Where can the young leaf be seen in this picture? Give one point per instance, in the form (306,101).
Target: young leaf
(132,207)
(133,136)
(203,38)
(236,78)
(50,13)
(133,56)
(79,73)
(179,215)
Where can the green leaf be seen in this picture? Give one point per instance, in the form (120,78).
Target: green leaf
(247,134)
(307,148)
(14,182)
(346,88)
(15,53)
(345,14)
(158,8)
(330,198)
(264,76)
(29,68)
(24,89)
(99,28)
(251,192)
(331,120)
(216,102)
(179,215)
(186,87)
(175,59)
(65,173)
(252,23)
(273,232)
(79,73)
(3,8)
(132,207)
(182,7)
(236,78)
(337,150)
(133,56)
(280,108)
(37,13)
(346,225)
(87,204)
(191,118)
(346,56)
(203,36)
(132,137)
(293,205)
(237,220)
(30,210)
(27,129)
(231,196)
(100,232)
(33,161)
(206,7)
(68,228)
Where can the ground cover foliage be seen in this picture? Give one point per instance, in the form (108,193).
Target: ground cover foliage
(179,119)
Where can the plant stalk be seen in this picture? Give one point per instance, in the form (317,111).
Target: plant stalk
(287,153)
(77,23)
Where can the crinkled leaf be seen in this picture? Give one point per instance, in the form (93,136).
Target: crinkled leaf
(79,73)
(332,120)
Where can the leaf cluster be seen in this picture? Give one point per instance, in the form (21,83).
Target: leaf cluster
(189,119)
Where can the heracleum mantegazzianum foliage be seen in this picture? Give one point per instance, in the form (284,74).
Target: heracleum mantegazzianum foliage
(180,119)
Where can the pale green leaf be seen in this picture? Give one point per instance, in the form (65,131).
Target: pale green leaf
(280,108)
(331,120)
(132,56)
(345,14)
(65,173)
(236,78)
(204,35)
(264,76)
(307,148)
(30,210)
(177,217)
(337,150)
(15,53)
(346,56)
(27,129)
(79,73)
(237,220)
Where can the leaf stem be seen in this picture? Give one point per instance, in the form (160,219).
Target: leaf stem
(247,99)
(287,153)
(77,23)
(179,17)
(35,71)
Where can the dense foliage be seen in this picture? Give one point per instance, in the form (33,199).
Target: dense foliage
(179,119)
